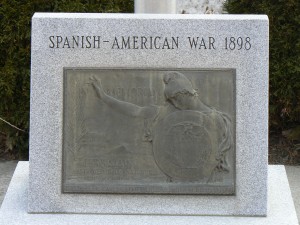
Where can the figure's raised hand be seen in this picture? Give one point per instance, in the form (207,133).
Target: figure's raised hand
(96,83)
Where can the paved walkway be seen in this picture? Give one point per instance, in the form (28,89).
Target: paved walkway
(7,169)
(293,173)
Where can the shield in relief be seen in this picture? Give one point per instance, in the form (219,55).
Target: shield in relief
(184,145)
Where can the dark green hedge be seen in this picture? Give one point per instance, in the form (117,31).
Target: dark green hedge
(15,19)
(284,17)
(15,22)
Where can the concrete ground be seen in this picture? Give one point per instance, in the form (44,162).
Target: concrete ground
(7,169)
(293,173)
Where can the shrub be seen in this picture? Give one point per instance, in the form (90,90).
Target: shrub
(15,21)
(284,17)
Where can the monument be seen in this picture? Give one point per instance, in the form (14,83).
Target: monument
(149,119)
(160,116)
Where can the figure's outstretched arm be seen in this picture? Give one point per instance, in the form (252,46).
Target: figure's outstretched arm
(123,107)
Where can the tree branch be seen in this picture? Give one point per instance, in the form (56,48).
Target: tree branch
(12,125)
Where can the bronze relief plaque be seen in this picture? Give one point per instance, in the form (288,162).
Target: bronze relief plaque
(149,131)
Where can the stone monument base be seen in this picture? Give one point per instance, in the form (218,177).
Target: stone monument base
(281,208)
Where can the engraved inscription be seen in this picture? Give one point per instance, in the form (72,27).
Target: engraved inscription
(149,131)
(144,42)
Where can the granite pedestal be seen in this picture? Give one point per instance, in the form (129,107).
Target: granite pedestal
(281,210)
(124,46)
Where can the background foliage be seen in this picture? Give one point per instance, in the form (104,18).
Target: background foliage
(15,27)
(284,19)
(15,22)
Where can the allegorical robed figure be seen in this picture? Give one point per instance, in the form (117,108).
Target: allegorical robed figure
(190,140)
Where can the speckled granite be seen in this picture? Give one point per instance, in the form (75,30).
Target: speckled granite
(281,210)
(251,105)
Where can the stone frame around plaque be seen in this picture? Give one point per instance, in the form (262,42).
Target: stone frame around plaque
(251,103)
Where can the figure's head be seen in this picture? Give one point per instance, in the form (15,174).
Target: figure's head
(179,90)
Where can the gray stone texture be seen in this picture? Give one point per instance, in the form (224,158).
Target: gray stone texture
(281,209)
(7,169)
(155,6)
(293,173)
(179,6)
(251,105)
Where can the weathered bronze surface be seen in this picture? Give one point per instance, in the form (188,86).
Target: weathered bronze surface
(149,131)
